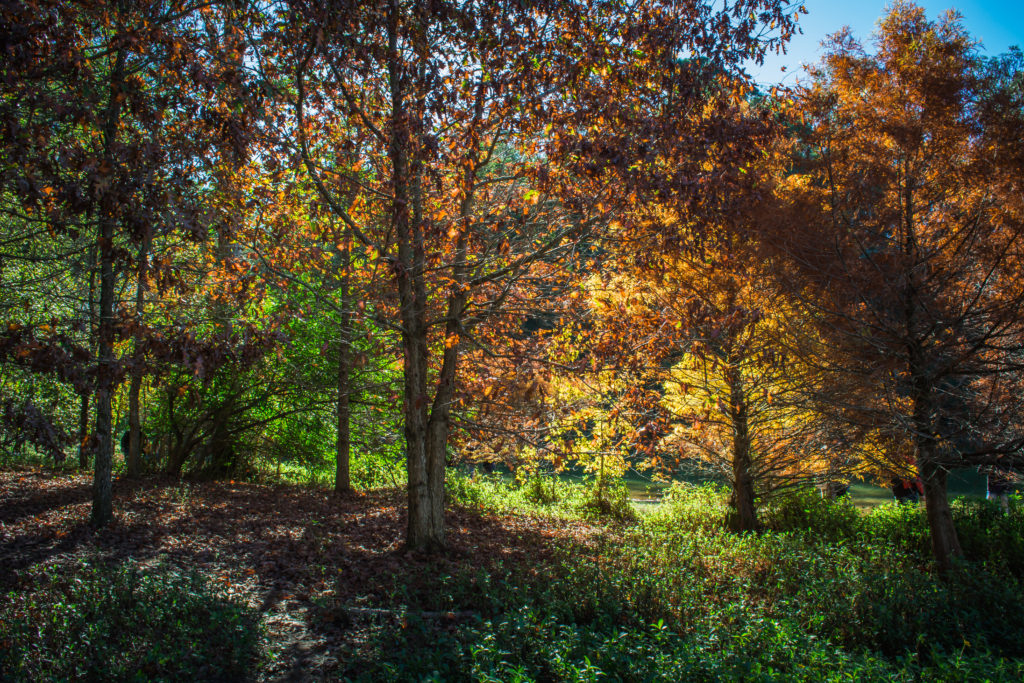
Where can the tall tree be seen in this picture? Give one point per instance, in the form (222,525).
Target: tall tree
(115,118)
(733,389)
(911,235)
(432,93)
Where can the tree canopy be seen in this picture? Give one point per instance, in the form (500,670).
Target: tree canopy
(387,238)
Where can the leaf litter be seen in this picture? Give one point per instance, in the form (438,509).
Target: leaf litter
(323,570)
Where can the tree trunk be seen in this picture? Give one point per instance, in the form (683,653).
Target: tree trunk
(102,506)
(133,456)
(342,479)
(440,419)
(742,480)
(84,440)
(83,432)
(439,426)
(945,543)
(440,412)
(422,533)
(174,437)
(176,460)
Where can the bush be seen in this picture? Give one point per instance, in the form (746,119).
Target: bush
(125,622)
(589,622)
(823,593)
(805,510)
(377,469)
(542,490)
(610,500)
(488,491)
(689,508)
(541,495)
(989,536)
(900,529)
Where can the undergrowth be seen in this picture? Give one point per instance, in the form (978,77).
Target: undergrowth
(824,593)
(542,496)
(118,622)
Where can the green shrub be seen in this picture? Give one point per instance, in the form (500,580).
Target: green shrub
(576,637)
(888,607)
(378,470)
(989,536)
(805,510)
(541,495)
(689,508)
(542,490)
(610,500)
(480,491)
(824,593)
(125,622)
(899,528)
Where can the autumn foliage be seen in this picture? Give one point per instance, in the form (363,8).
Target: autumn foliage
(383,239)
(907,225)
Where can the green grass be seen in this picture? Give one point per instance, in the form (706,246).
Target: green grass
(962,483)
(544,496)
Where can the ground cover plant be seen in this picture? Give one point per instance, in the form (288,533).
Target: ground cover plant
(228,581)
(119,622)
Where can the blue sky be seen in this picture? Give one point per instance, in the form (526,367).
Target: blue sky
(997,23)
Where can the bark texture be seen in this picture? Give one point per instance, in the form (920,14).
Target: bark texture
(102,507)
(424,532)
(742,478)
(945,542)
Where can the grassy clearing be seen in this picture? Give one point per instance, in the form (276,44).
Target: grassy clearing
(543,582)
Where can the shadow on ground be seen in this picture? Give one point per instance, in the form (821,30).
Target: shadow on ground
(330,574)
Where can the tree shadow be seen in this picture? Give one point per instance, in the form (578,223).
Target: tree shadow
(99,619)
(308,560)
(44,517)
(20,502)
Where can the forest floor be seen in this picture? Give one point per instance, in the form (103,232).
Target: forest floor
(238,581)
(323,571)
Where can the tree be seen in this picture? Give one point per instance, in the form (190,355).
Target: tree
(115,119)
(430,92)
(701,342)
(313,273)
(908,230)
(733,389)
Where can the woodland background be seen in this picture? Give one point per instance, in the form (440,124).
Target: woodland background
(379,246)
